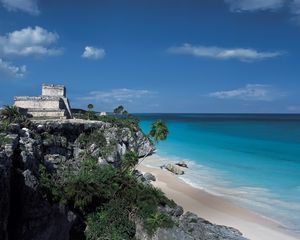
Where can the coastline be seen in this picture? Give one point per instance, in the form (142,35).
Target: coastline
(215,208)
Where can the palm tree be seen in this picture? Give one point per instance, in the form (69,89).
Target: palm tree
(118,109)
(12,114)
(90,108)
(159,131)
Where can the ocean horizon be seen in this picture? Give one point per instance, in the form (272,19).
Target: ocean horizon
(251,159)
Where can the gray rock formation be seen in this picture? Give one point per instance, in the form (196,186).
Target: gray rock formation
(60,145)
(188,226)
(24,214)
(174,169)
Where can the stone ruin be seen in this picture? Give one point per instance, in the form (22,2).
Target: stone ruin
(53,103)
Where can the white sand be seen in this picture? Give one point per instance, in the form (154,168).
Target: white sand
(216,209)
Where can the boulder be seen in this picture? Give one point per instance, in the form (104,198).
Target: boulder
(149,177)
(174,169)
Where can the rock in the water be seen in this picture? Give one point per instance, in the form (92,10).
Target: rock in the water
(174,169)
(182,164)
(149,177)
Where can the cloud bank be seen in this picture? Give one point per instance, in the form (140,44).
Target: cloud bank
(266,5)
(242,54)
(29,42)
(251,92)
(254,5)
(28,6)
(12,70)
(118,95)
(93,52)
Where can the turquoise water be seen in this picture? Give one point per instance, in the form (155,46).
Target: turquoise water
(253,160)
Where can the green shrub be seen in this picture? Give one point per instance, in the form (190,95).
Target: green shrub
(51,188)
(111,222)
(129,161)
(105,196)
(157,220)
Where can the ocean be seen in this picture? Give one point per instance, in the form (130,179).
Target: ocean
(251,159)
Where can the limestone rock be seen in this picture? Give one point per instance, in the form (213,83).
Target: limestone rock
(174,169)
(188,227)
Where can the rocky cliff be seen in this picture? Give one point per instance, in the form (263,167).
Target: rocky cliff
(24,214)
(59,145)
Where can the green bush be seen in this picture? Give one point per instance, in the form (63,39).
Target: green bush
(157,220)
(111,222)
(51,188)
(105,196)
(129,161)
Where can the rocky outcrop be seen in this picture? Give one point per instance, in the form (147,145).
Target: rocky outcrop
(188,226)
(174,169)
(59,145)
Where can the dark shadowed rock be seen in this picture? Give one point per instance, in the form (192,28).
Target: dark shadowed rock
(182,164)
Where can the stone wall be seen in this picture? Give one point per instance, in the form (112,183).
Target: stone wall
(53,90)
(43,102)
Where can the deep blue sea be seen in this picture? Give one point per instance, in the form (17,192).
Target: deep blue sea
(252,159)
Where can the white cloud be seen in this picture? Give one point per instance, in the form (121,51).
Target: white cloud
(29,42)
(93,52)
(28,6)
(12,70)
(295,10)
(254,5)
(242,54)
(251,92)
(121,95)
(266,5)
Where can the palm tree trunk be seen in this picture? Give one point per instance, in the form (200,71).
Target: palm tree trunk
(145,156)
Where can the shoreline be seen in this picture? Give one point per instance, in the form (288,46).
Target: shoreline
(216,209)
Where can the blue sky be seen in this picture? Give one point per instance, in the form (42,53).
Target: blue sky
(155,56)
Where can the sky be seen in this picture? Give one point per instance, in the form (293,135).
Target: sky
(185,56)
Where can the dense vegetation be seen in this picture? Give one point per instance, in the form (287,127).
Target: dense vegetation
(109,199)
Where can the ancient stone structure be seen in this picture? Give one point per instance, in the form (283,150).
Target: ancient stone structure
(53,103)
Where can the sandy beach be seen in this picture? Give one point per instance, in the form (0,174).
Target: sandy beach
(216,209)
